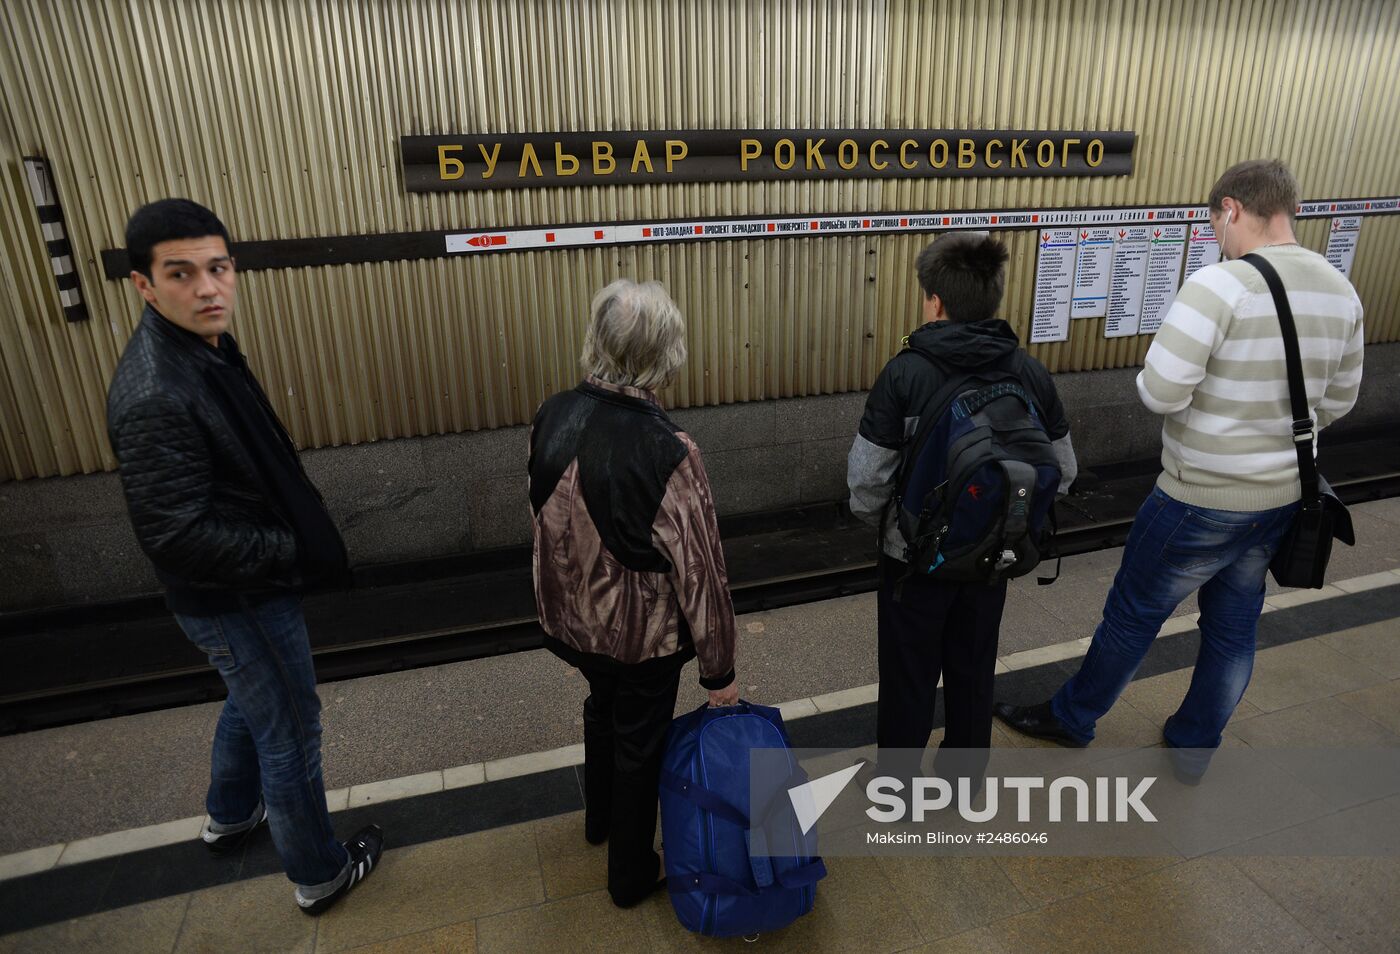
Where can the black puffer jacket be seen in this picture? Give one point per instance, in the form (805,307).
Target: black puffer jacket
(200,499)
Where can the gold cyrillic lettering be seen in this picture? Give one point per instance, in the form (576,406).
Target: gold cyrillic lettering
(603,153)
(814,151)
(676,150)
(491,159)
(873,163)
(641,157)
(1018,153)
(1089,156)
(904,148)
(933,159)
(987,153)
(1040,158)
(748,149)
(563,161)
(528,157)
(1064,160)
(458,169)
(791,148)
(841,154)
(967,153)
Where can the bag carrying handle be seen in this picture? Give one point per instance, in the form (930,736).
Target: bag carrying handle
(1303,431)
(703,797)
(743,705)
(716,804)
(1002,389)
(706,883)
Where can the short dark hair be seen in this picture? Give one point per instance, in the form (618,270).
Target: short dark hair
(163,221)
(967,272)
(1265,187)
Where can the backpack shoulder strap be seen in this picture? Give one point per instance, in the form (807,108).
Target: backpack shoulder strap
(1032,384)
(953,382)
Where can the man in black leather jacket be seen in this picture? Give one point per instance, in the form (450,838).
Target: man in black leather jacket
(236,532)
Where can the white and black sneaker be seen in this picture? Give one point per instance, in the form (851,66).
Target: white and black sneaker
(365,849)
(221,839)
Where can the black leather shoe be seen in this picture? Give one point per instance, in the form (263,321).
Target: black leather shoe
(1037,721)
(631,901)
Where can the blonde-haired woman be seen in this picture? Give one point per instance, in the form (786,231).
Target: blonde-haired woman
(629,574)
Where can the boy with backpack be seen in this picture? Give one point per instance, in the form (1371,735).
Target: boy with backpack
(960,452)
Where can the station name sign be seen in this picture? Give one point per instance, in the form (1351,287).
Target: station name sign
(525,160)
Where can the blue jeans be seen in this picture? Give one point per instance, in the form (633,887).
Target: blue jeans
(268,741)
(1173,550)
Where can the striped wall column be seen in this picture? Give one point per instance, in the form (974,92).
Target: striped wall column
(41,189)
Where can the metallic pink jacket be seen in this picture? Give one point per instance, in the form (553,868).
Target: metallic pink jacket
(627,558)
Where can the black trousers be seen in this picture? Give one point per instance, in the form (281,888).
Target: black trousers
(936,628)
(625,719)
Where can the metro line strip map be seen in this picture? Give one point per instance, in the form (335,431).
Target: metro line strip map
(679,230)
(1120,264)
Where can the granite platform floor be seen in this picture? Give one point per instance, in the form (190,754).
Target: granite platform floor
(532,888)
(537,886)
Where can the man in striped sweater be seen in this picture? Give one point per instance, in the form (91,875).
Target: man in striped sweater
(1229,485)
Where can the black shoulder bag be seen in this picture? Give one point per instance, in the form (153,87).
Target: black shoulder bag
(1303,552)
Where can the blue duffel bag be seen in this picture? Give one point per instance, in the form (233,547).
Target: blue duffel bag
(728,876)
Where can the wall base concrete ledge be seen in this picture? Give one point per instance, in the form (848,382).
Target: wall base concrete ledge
(66,540)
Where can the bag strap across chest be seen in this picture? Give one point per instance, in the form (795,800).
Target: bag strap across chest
(1303,433)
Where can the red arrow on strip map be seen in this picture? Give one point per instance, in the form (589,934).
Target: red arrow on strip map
(1157,233)
(486,241)
(1083,235)
(1121,233)
(1045,236)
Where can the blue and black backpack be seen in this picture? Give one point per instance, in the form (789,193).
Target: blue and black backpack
(976,490)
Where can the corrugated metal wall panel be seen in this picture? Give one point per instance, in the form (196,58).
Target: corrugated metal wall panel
(1373,274)
(1305,89)
(285,118)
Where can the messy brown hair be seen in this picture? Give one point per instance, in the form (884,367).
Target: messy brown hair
(1265,187)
